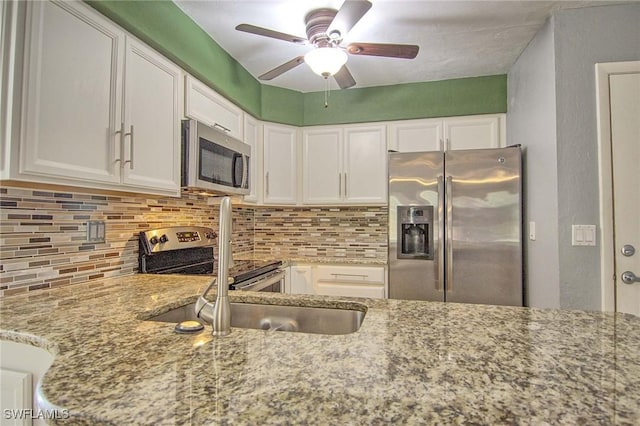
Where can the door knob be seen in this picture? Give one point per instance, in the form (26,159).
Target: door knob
(629,277)
(628,250)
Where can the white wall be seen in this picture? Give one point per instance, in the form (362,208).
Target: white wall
(572,43)
(584,37)
(531,122)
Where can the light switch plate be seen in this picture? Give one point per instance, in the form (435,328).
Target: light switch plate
(583,235)
(96,230)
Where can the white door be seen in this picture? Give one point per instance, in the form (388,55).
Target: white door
(152,120)
(625,151)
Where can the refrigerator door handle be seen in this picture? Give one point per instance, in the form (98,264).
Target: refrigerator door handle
(449,242)
(440,282)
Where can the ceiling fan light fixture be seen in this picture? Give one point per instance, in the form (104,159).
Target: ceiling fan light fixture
(325,61)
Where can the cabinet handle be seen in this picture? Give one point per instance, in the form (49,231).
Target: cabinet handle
(121,133)
(267,182)
(440,145)
(340,184)
(363,276)
(130,160)
(448,144)
(220,126)
(345,185)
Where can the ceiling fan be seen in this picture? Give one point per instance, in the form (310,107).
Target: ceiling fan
(326,28)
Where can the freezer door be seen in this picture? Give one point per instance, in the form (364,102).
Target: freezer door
(484,226)
(414,181)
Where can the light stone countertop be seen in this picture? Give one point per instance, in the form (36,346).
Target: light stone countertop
(410,362)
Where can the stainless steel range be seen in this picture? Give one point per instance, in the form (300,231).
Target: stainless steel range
(189,250)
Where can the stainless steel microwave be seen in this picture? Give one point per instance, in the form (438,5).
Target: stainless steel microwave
(213,161)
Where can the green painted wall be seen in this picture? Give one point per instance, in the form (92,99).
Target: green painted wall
(166,28)
(465,96)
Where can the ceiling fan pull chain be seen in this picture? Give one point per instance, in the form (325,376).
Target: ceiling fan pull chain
(326,92)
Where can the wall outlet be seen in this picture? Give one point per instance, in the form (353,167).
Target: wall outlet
(96,230)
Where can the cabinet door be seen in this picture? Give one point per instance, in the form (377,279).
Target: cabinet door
(152,120)
(321,165)
(252,138)
(301,280)
(472,132)
(72,93)
(205,105)
(416,136)
(365,165)
(15,388)
(280,164)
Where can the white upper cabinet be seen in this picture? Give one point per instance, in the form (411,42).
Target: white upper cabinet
(344,165)
(322,174)
(253,137)
(280,184)
(442,134)
(101,109)
(365,164)
(416,135)
(152,90)
(205,105)
(472,132)
(73,93)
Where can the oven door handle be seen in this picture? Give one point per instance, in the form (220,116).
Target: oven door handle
(262,283)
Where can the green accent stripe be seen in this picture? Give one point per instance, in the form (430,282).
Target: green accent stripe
(166,28)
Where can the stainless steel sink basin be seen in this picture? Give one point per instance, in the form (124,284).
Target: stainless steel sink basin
(301,319)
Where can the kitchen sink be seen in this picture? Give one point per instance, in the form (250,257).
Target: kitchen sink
(302,319)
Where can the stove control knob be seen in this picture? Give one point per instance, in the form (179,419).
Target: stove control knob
(210,235)
(153,240)
(163,238)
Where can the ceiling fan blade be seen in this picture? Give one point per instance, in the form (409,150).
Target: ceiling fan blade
(405,51)
(344,78)
(252,29)
(269,75)
(349,14)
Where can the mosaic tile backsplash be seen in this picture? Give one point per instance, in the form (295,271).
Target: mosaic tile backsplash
(43,240)
(335,233)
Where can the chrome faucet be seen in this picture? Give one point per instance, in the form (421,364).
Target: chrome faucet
(219,314)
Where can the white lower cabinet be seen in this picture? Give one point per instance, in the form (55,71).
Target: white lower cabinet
(339,280)
(101,109)
(21,367)
(301,280)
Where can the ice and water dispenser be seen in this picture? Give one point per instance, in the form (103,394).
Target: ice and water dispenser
(415,232)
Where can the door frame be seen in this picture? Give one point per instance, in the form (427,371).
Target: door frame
(607,261)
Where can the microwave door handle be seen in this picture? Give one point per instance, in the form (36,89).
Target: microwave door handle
(234,163)
(245,171)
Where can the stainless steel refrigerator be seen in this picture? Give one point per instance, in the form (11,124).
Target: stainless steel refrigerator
(455,226)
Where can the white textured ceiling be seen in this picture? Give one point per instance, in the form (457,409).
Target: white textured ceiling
(456,38)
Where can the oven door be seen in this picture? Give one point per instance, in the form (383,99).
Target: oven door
(271,282)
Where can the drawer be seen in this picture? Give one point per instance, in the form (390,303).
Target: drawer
(350,274)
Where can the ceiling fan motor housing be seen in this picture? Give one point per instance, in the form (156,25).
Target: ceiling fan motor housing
(317,22)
